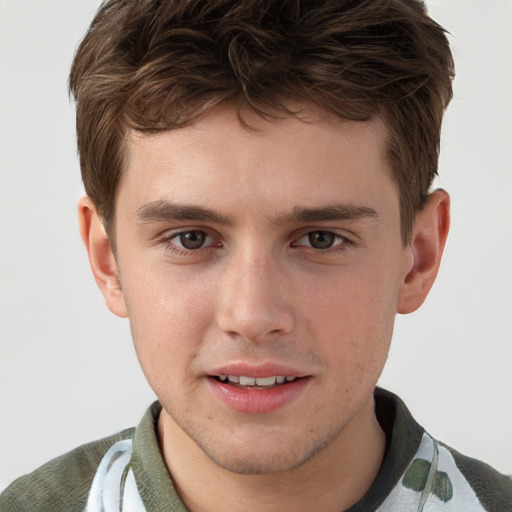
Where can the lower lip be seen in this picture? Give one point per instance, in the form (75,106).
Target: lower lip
(258,401)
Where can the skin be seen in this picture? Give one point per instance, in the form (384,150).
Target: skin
(257,292)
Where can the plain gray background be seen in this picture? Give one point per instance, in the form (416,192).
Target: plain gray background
(68,372)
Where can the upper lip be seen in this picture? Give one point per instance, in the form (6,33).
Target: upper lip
(257,370)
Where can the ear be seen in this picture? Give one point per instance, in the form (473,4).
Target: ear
(426,247)
(101,257)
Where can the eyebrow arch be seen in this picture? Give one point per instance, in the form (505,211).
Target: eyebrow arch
(328,212)
(164,211)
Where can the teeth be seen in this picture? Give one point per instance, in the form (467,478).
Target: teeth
(247,381)
(266,381)
(243,380)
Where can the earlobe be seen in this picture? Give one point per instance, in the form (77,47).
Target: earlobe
(101,257)
(427,243)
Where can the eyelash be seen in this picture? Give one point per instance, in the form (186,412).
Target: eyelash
(170,245)
(341,243)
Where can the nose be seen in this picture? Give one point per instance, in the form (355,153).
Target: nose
(255,303)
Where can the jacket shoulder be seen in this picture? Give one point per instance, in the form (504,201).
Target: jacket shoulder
(493,489)
(63,483)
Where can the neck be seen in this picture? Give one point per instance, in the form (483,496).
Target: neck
(333,480)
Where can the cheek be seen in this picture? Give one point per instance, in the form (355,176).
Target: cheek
(160,295)
(354,314)
(168,318)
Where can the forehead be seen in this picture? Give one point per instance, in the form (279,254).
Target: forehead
(312,158)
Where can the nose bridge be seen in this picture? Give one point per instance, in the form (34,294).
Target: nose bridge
(254,302)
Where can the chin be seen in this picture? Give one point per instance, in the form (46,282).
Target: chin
(260,457)
(261,464)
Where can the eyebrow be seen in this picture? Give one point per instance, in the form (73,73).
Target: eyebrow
(328,212)
(165,211)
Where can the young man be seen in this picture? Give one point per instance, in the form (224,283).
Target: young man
(259,206)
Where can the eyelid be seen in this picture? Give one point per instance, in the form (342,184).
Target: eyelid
(303,232)
(339,239)
(168,239)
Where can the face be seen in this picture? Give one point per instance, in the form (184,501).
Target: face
(260,270)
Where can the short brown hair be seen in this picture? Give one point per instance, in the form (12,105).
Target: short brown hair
(153,65)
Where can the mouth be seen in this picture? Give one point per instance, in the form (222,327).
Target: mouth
(243,381)
(258,389)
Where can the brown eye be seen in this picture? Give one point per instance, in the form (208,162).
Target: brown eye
(192,239)
(322,239)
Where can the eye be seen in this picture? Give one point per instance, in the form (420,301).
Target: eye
(321,240)
(191,240)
